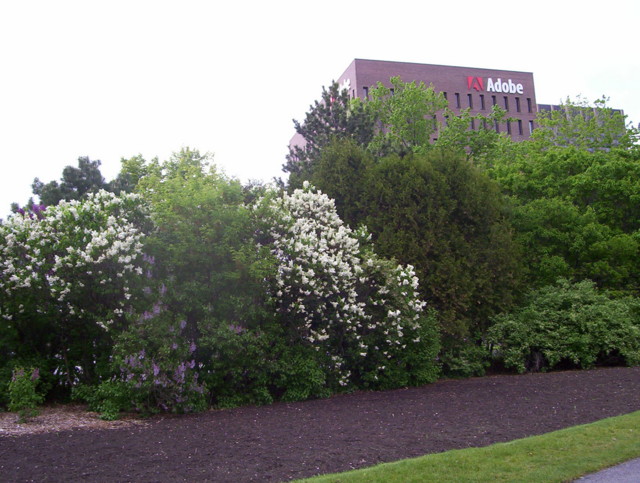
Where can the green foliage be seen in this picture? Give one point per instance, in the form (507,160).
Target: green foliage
(405,114)
(575,213)
(23,397)
(204,243)
(464,359)
(586,127)
(335,115)
(259,366)
(109,398)
(445,217)
(473,135)
(74,184)
(567,323)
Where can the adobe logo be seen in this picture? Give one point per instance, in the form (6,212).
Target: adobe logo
(508,87)
(475,83)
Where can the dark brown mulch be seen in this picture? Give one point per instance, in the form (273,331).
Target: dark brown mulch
(286,441)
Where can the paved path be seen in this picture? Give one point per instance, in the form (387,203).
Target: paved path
(628,472)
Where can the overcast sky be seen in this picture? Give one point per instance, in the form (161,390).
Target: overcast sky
(113,79)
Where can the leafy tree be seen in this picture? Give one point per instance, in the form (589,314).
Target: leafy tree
(442,215)
(473,135)
(204,244)
(581,125)
(405,115)
(74,184)
(334,115)
(575,213)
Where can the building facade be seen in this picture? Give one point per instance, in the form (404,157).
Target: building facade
(463,87)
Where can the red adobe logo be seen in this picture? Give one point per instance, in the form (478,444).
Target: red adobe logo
(475,82)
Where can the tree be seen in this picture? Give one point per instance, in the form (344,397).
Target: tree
(74,184)
(335,115)
(581,125)
(444,216)
(405,115)
(576,213)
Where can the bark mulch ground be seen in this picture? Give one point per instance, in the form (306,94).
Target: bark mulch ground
(286,441)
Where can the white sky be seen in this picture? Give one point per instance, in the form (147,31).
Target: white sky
(113,79)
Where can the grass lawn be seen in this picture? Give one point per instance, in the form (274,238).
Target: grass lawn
(559,456)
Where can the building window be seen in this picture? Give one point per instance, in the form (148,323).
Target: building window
(366,92)
(392,90)
(470,97)
(497,126)
(508,127)
(457,100)
(506,103)
(517,104)
(530,127)
(494,101)
(529,107)
(482,102)
(473,124)
(520,127)
(445,96)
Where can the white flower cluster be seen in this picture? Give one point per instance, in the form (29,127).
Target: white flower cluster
(77,246)
(333,289)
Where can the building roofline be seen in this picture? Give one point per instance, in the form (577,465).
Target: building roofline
(439,65)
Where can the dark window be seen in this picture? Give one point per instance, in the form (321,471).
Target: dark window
(508,127)
(530,127)
(517,104)
(520,127)
(494,101)
(470,101)
(457,100)
(366,92)
(393,91)
(529,104)
(473,124)
(482,102)
(506,103)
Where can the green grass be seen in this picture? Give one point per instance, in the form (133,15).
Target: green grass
(559,456)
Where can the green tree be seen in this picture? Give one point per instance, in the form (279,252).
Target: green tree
(444,216)
(575,213)
(74,184)
(405,115)
(579,124)
(335,115)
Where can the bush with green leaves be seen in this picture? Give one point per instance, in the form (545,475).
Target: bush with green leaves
(23,396)
(567,323)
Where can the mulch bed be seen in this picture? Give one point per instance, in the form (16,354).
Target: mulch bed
(294,440)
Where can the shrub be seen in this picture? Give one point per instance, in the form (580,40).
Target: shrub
(67,275)
(23,397)
(360,313)
(567,323)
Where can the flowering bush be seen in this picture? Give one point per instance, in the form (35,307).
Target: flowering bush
(66,276)
(362,316)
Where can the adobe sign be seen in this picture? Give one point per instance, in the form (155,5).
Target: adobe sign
(508,86)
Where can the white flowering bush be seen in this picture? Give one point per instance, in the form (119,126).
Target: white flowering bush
(360,313)
(66,276)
